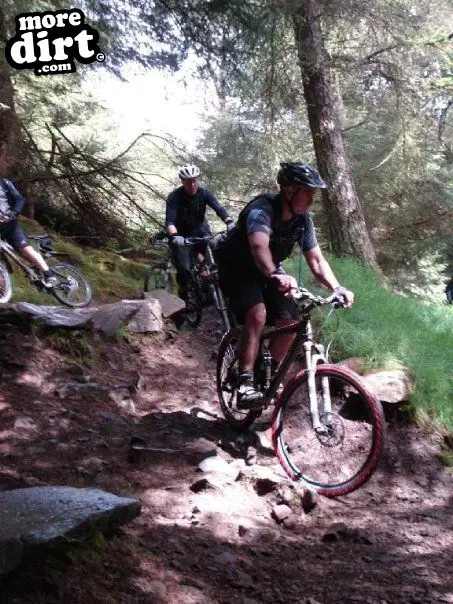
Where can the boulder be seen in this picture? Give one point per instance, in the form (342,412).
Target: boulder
(147,319)
(170,304)
(36,518)
(355,364)
(391,386)
(139,316)
(56,315)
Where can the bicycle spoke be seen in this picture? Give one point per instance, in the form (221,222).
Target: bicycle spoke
(72,288)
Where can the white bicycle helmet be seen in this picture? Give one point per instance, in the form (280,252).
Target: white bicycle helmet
(189,172)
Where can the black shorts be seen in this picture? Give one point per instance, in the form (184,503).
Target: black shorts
(246,288)
(13,233)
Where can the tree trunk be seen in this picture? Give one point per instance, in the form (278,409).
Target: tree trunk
(10,136)
(347,229)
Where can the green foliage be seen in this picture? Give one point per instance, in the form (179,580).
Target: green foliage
(76,345)
(389,331)
(446,457)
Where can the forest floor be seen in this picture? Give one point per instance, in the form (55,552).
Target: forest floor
(389,542)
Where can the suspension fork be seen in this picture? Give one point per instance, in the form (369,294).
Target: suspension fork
(314,355)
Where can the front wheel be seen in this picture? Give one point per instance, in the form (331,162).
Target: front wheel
(342,454)
(72,288)
(6,289)
(194,304)
(228,383)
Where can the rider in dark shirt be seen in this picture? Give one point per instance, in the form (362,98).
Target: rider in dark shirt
(250,270)
(185,217)
(11,205)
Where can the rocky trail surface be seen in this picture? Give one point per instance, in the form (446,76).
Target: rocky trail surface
(219,522)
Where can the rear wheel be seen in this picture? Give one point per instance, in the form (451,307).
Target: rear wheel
(227,383)
(6,289)
(159,278)
(72,289)
(342,455)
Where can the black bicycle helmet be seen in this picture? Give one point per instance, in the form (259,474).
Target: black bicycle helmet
(298,174)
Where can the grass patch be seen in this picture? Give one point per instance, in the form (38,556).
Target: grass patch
(389,331)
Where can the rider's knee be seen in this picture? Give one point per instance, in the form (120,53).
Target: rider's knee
(256,317)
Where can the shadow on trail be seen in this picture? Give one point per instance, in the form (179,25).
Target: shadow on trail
(267,563)
(266,566)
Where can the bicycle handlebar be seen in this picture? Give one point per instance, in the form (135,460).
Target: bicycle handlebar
(188,240)
(302,295)
(203,239)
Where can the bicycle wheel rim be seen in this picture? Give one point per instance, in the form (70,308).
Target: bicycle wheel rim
(6,290)
(73,289)
(227,374)
(342,460)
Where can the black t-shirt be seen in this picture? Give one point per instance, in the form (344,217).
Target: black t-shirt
(187,213)
(264,214)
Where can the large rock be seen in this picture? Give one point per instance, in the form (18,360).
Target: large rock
(169,303)
(391,386)
(138,315)
(148,318)
(56,315)
(40,517)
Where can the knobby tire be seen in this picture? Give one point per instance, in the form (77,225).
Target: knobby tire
(194,304)
(227,383)
(71,283)
(6,288)
(342,460)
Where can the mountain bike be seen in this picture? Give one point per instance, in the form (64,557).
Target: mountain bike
(203,286)
(162,274)
(328,430)
(72,288)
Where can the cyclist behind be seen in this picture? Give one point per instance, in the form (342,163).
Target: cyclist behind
(250,269)
(11,205)
(185,217)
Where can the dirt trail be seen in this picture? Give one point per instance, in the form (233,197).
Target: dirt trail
(220,544)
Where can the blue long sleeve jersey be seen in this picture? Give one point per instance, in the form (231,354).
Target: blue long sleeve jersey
(10,198)
(187,213)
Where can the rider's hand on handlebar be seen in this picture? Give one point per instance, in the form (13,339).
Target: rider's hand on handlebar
(178,240)
(230,225)
(345,296)
(7,216)
(286,284)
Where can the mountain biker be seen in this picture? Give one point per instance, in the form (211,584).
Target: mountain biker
(185,217)
(251,273)
(11,205)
